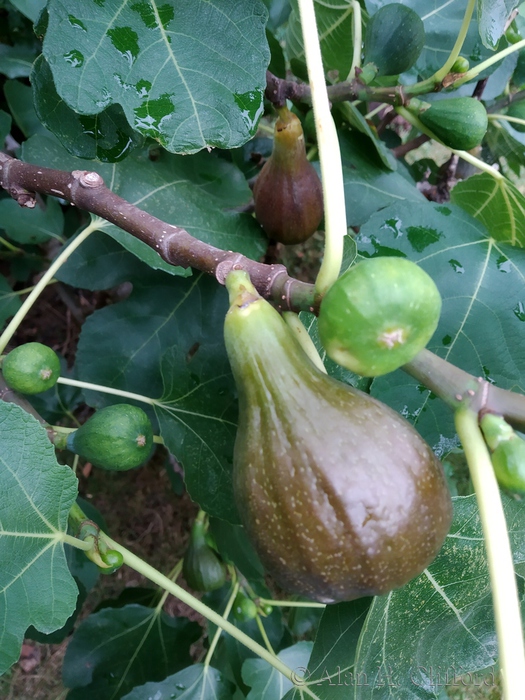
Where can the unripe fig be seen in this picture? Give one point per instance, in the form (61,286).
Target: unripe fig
(395,36)
(517,110)
(339,494)
(244,609)
(508,456)
(117,438)
(287,193)
(459,122)
(31,368)
(461,65)
(378,315)
(202,568)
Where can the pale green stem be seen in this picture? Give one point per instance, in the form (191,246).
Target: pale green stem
(218,632)
(164,582)
(264,635)
(290,603)
(75,542)
(303,338)
(445,69)
(501,567)
(21,292)
(329,153)
(465,155)
(357,37)
(107,390)
(473,72)
(374,111)
(10,246)
(505,118)
(43,282)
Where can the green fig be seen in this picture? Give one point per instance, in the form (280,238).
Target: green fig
(31,368)
(395,36)
(287,193)
(459,122)
(517,110)
(244,609)
(508,452)
(340,495)
(202,567)
(378,315)
(117,438)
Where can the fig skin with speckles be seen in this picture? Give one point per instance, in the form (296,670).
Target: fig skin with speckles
(288,194)
(340,496)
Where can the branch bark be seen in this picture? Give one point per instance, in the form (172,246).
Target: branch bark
(86,190)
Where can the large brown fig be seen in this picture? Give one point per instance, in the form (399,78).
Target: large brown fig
(288,194)
(340,496)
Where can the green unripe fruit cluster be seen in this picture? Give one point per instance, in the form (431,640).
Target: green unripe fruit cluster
(378,315)
(31,368)
(117,438)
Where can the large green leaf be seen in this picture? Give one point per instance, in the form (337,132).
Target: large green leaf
(28,226)
(492,18)
(101,263)
(440,621)
(334,26)
(36,494)
(30,8)
(106,136)
(330,672)
(482,321)
(507,145)
(268,684)
(368,185)
(9,301)
(165,342)
(195,193)
(188,73)
(496,203)
(197,682)
(116,649)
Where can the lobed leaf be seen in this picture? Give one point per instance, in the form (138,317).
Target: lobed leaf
(189,75)
(36,494)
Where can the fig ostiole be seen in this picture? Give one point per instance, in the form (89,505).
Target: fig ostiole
(288,194)
(340,495)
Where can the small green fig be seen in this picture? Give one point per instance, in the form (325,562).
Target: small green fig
(202,567)
(459,122)
(244,609)
(395,36)
(287,193)
(117,438)
(517,110)
(31,368)
(378,315)
(508,452)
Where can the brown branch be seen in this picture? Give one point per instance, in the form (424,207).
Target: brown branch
(86,190)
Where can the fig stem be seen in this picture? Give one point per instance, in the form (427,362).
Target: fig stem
(164,582)
(329,153)
(218,631)
(46,278)
(303,338)
(501,567)
(357,39)
(505,118)
(456,49)
(499,56)
(465,155)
